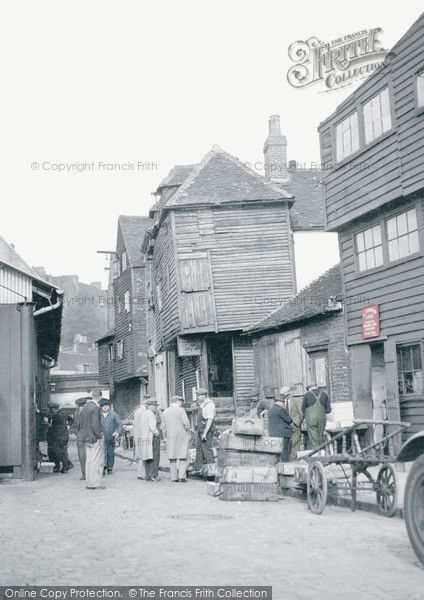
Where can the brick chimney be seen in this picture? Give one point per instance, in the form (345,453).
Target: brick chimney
(275,152)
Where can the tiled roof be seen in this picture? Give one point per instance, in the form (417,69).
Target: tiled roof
(133,229)
(11,258)
(176,176)
(106,336)
(308,211)
(310,302)
(221,178)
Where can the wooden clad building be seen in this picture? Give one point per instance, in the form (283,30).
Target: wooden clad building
(30,326)
(122,352)
(372,148)
(220,251)
(303,341)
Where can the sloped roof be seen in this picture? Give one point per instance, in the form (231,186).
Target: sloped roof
(11,258)
(220,178)
(133,229)
(176,176)
(109,334)
(308,211)
(310,302)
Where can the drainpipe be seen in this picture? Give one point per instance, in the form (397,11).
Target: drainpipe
(46,309)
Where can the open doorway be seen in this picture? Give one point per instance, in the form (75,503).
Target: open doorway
(220,365)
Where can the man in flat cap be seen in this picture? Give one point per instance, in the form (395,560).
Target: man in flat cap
(82,454)
(152,466)
(58,438)
(205,428)
(145,429)
(178,437)
(92,437)
(111,427)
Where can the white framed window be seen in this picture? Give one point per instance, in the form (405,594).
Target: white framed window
(119,350)
(127,301)
(124,262)
(347,137)
(419,88)
(369,248)
(377,116)
(410,369)
(402,235)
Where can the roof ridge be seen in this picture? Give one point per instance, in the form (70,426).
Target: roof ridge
(293,298)
(216,150)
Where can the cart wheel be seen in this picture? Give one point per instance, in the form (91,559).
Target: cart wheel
(386,491)
(317,488)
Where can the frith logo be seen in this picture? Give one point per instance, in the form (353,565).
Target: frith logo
(337,63)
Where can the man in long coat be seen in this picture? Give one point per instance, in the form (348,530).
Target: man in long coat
(144,430)
(82,454)
(178,437)
(92,437)
(58,438)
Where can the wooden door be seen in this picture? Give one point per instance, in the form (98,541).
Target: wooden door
(197,305)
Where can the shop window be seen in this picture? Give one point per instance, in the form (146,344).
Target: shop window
(377,116)
(402,235)
(369,248)
(347,137)
(410,372)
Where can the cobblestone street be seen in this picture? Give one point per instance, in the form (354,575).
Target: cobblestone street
(55,532)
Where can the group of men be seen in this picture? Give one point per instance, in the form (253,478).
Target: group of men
(147,431)
(285,417)
(97,426)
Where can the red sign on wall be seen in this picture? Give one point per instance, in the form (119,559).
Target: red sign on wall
(370,321)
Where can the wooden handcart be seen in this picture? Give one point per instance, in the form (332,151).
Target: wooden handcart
(336,465)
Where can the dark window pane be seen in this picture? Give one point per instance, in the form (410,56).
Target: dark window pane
(408,379)
(416,358)
(406,359)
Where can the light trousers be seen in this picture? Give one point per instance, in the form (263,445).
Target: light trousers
(94,464)
(178,468)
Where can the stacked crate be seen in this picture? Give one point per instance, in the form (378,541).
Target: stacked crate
(247,467)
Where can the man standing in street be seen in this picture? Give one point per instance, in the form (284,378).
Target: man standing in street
(315,406)
(145,429)
(92,437)
(153,465)
(294,408)
(111,427)
(57,439)
(205,427)
(280,425)
(178,437)
(82,454)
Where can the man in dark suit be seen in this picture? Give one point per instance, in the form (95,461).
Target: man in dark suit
(91,435)
(279,424)
(58,438)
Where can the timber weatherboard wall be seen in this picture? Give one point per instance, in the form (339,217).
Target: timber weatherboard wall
(391,165)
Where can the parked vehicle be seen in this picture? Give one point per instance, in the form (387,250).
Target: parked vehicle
(413,450)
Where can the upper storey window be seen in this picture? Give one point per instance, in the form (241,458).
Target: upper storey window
(347,137)
(377,116)
(369,248)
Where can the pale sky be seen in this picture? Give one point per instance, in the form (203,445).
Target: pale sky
(162,82)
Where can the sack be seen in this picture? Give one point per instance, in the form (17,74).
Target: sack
(248,426)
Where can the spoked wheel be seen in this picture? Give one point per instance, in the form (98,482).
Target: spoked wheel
(414,507)
(317,488)
(386,491)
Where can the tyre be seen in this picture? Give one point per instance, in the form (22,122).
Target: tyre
(414,507)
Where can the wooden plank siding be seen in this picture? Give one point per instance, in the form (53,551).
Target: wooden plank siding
(398,288)
(390,167)
(250,259)
(243,369)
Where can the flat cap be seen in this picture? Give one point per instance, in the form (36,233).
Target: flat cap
(202,391)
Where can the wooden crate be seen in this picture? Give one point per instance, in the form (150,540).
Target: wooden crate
(238,458)
(249,475)
(253,492)
(264,444)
